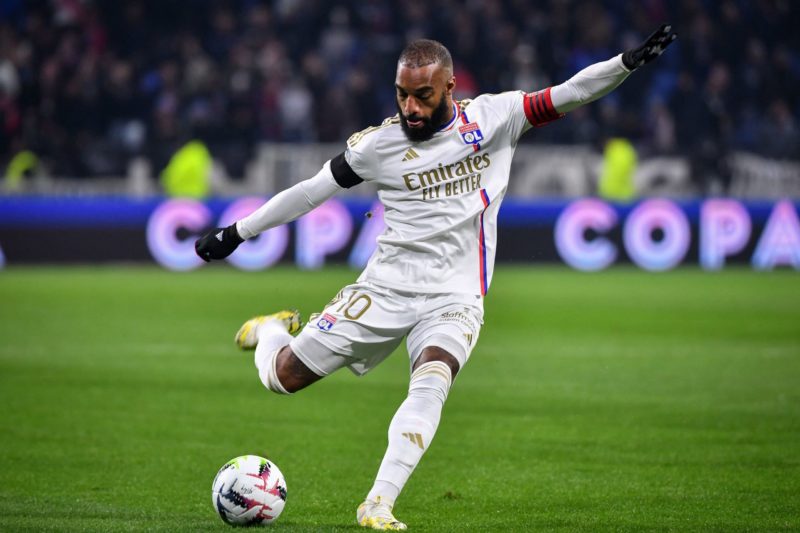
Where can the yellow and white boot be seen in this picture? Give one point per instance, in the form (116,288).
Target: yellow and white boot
(247,336)
(378,515)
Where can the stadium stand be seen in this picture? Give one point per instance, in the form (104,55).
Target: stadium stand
(87,87)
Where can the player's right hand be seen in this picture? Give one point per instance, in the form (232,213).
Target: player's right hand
(218,243)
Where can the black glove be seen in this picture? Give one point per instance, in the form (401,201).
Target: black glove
(218,243)
(651,49)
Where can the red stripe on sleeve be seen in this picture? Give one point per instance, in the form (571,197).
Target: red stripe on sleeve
(527,106)
(552,114)
(541,112)
(539,109)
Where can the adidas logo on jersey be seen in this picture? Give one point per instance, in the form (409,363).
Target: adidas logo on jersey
(410,154)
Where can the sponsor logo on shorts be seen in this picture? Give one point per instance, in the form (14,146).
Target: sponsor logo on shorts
(326,322)
(464,320)
(457,316)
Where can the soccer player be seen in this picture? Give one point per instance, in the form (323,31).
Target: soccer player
(441,168)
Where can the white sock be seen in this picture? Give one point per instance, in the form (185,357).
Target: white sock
(412,429)
(272,336)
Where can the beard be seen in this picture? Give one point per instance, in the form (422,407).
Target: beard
(430,125)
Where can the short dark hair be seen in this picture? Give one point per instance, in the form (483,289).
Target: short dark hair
(424,52)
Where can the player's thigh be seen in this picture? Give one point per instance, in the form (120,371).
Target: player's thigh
(359,328)
(452,323)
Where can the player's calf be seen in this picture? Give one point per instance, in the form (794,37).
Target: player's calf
(412,429)
(293,374)
(278,368)
(282,372)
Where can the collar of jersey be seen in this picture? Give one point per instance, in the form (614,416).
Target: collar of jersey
(449,125)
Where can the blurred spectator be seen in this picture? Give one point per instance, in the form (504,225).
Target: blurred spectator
(87,85)
(780,136)
(188,173)
(619,166)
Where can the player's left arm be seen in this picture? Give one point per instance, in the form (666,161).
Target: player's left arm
(595,81)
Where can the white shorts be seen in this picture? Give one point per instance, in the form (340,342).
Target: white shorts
(365,322)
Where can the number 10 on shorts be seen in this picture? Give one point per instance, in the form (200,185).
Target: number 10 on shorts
(355,306)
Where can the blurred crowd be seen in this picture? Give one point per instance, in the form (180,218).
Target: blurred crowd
(87,85)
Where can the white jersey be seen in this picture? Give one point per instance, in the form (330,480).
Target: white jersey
(442,196)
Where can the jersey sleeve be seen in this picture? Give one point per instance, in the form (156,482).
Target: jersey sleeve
(343,172)
(521,110)
(357,163)
(290,204)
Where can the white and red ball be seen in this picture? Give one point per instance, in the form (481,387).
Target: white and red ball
(249,490)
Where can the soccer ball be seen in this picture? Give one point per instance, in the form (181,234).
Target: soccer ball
(249,490)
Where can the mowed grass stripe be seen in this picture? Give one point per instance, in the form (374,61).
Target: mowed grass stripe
(617,401)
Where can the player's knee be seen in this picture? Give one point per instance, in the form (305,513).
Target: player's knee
(431,381)
(292,373)
(434,353)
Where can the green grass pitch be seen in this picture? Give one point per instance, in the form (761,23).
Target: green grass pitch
(618,401)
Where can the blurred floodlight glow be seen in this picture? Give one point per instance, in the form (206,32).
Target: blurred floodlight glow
(571,226)
(780,241)
(724,230)
(162,233)
(365,244)
(656,234)
(323,231)
(640,225)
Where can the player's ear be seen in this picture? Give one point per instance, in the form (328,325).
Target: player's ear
(451,85)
